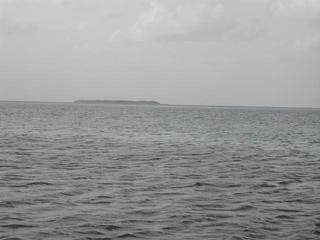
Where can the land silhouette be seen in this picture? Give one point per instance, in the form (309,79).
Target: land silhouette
(126,102)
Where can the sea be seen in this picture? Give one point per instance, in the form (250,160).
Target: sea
(77,171)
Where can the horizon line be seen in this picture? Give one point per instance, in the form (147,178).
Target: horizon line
(160,104)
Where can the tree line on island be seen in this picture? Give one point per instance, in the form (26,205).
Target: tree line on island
(126,102)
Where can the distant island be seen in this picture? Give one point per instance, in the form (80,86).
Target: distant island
(124,102)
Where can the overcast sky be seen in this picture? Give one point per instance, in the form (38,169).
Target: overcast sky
(216,52)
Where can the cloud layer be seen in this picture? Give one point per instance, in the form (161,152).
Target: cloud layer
(303,9)
(302,22)
(174,18)
(237,52)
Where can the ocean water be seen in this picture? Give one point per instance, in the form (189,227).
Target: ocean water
(71,171)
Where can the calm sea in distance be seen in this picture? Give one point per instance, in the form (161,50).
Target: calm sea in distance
(72,171)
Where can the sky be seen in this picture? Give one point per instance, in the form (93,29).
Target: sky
(211,52)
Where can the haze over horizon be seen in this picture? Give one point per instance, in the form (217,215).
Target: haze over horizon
(204,52)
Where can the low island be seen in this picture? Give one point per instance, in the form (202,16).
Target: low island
(124,102)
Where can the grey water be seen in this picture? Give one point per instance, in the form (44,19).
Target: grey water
(72,171)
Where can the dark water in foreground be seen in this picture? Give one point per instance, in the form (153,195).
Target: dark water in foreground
(138,172)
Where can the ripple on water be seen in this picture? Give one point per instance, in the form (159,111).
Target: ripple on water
(132,172)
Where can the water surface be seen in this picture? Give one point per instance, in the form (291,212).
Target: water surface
(158,172)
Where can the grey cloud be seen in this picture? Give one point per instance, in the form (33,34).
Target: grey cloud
(227,31)
(302,9)
(187,20)
(9,27)
(309,42)
(171,19)
(304,15)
